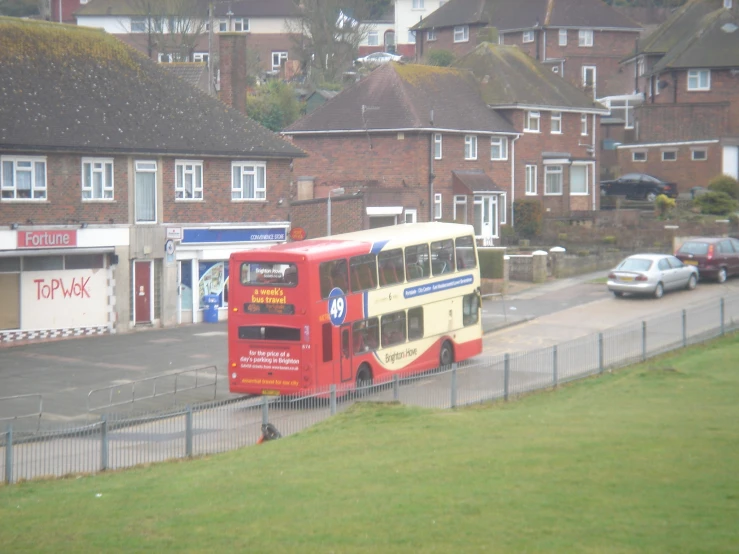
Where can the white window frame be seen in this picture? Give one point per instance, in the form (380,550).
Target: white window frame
(437,146)
(183,169)
(470,147)
(563,37)
(418,5)
(553,170)
(585,38)
(373,38)
(694,76)
(728,4)
(437,205)
(241,24)
(587,167)
(531,180)
(532,116)
(38,191)
(138,25)
(410,215)
(501,145)
(223,26)
(588,69)
(635,154)
(411,37)
(556,117)
(461,33)
(431,35)
(245,169)
(146,166)
(278,56)
(528,36)
(584,125)
(666,155)
(101,167)
(202,57)
(460,200)
(703,156)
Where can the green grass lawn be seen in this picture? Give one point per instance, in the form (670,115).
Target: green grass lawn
(642,460)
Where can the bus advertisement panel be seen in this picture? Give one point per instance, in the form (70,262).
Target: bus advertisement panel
(353,308)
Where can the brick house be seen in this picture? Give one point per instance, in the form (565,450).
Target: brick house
(123,190)
(687,129)
(422,143)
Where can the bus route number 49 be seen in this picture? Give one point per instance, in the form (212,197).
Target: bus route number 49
(337,306)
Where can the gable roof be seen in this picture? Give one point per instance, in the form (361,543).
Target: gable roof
(698,39)
(507,15)
(406,97)
(512,79)
(684,22)
(244,8)
(79,89)
(194,73)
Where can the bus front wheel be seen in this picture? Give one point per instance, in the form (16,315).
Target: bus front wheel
(364,379)
(446,356)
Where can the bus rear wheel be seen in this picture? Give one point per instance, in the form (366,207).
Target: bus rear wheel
(364,379)
(446,356)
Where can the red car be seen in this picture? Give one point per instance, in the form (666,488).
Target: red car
(716,258)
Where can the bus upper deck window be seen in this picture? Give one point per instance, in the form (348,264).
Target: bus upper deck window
(465,253)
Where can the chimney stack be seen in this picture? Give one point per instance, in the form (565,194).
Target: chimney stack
(232,51)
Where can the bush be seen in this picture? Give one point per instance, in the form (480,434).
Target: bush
(528,216)
(609,239)
(491,263)
(716,203)
(441,58)
(725,183)
(664,204)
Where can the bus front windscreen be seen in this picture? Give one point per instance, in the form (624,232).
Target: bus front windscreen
(258,274)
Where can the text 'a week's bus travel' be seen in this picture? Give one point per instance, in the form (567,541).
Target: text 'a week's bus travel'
(352,308)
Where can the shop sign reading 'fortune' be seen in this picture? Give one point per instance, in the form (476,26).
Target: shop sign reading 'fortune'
(47,239)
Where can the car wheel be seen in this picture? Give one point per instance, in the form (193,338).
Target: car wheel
(659,290)
(650,196)
(618,294)
(692,282)
(721,275)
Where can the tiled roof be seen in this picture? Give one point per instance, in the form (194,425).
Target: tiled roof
(399,96)
(687,20)
(713,43)
(471,181)
(80,89)
(510,77)
(194,73)
(244,8)
(507,15)
(258,8)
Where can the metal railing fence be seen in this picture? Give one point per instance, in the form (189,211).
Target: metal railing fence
(120,441)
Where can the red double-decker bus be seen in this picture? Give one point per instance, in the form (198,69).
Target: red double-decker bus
(352,308)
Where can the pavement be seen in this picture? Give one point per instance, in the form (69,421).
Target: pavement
(76,378)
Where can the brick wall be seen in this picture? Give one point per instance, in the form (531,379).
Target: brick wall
(445,41)
(265,44)
(347,214)
(232,56)
(680,122)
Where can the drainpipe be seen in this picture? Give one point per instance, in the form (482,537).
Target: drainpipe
(431,168)
(513,178)
(596,178)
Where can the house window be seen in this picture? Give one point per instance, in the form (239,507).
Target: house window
(437,146)
(437,205)
(97,179)
(499,148)
(585,37)
(460,208)
(727,4)
(223,26)
(200,57)
(248,181)
(552,179)
(669,155)
(470,147)
(241,25)
(461,33)
(640,156)
(532,121)
(556,123)
(411,37)
(584,125)
(373,38)
(640,67)
(563,37)
(699,155)
(277,59)
(418,4)
(431,35)
(528,36)
(579,179)
(588,77)
(23,178)
(699,79)
(530,179)
(188,180)
(146,192)
(138,24)
(410,215)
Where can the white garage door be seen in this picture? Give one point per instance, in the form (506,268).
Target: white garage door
(731,161)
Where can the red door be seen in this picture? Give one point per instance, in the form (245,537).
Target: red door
(142,292)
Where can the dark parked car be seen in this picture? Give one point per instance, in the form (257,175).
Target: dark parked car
(715,258)
(638,186)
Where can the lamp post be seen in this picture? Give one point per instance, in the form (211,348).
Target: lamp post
(339,190)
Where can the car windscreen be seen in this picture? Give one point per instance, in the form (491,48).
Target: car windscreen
(635,264)
(695,248)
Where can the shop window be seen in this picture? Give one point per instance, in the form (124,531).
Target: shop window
(43,263)
(84,261)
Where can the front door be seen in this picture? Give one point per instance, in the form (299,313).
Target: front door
(142,292)
(346,353)
(486,215)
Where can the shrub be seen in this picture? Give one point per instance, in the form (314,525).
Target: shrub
(664,204)
(528,216)
(725,183)
(491,263)
(609,239)
(441,58)
(716,203)
(562,237)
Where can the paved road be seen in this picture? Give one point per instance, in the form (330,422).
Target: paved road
(64,372)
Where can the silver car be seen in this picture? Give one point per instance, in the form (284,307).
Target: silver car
(651,274)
